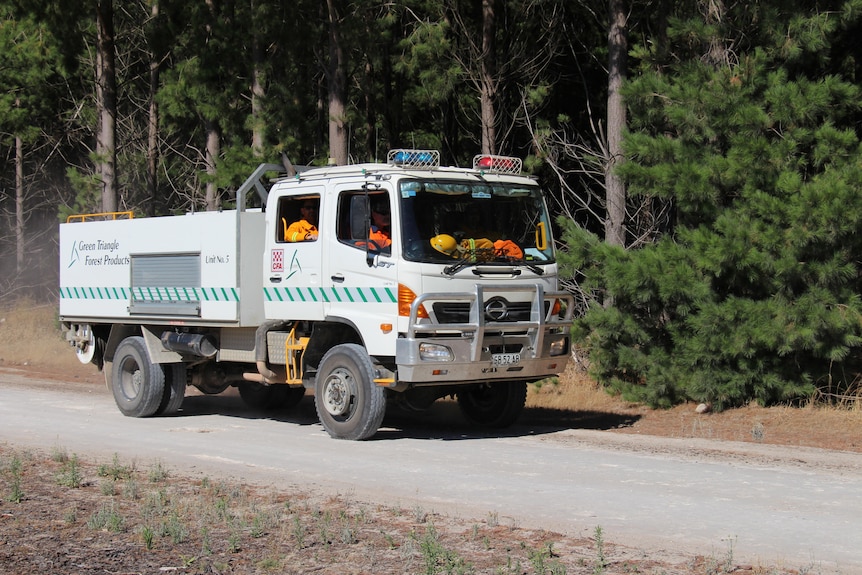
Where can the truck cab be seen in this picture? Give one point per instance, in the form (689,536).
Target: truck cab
(459,298)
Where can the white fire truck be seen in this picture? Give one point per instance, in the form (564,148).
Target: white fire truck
(220,299)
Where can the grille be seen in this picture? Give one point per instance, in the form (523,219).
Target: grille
(459,312)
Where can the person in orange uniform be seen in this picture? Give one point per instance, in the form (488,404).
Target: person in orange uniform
(305,229)
(381,219)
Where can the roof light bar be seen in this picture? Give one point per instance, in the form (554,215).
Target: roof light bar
(414,158)
(497,164)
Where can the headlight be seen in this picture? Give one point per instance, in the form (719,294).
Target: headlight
(559,347)
(434,352)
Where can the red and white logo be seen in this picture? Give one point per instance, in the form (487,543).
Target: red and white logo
(277,260)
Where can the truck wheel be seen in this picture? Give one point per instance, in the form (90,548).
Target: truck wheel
(138,385)
(90,348)
(493,405)
(349,404)
(270,397)
(175,389)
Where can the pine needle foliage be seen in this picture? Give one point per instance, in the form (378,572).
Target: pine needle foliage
(749,126)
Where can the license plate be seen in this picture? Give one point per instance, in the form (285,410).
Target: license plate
(505,358)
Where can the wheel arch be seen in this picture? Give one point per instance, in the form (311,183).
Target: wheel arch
(118,332)
(328,334)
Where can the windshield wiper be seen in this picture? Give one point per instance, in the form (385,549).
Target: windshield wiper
(532,267)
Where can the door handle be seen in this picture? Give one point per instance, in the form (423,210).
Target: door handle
(338,278)
(275,280)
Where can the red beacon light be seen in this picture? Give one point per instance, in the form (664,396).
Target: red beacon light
(497,164)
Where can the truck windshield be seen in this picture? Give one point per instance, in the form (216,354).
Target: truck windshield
(507,223)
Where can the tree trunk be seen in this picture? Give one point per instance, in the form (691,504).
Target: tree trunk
(106,102)
(212,154)
(153,127)
(370,113)
(337,77)
(19,204)
(615,231)
(257,91)
(488,94)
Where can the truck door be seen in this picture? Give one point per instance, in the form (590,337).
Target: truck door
(292,267)
(362,266)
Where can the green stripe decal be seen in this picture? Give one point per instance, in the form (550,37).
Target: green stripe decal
(152,293)
(337,295)
(297,295)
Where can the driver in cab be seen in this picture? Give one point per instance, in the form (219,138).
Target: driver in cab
(304,229)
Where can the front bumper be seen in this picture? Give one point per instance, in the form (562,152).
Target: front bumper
(482,349)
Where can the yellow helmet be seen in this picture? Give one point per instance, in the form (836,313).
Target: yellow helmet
(444,243)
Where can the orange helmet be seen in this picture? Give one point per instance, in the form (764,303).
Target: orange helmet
(444,243)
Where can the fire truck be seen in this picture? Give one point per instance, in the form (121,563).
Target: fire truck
(457,296)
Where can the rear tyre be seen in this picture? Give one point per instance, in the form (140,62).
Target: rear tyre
(137,384)
(270,397)
(175,389)
(495,405)
(348,402)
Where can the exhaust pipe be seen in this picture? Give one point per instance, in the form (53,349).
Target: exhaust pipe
(264,373)
(200,345)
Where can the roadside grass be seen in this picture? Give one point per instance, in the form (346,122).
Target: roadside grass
(205,525)
(30,335)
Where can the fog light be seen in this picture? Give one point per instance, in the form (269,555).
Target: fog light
(559,347)
(434,352)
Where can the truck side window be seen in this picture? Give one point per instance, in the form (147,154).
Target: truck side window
(297,219)
(363,217)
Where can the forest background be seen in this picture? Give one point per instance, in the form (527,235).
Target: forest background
(702,156)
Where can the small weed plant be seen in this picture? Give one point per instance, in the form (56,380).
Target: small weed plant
(600,562)
(70,474)
(14,471)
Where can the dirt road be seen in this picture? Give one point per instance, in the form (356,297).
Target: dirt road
(793,507)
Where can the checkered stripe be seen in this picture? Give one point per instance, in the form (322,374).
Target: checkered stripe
(330,295)
(150,293)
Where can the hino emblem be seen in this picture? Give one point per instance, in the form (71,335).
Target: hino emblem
(496,309)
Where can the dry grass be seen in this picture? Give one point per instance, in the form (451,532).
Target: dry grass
(30,335)
(574,389)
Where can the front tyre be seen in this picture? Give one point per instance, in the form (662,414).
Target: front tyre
(349,404)
(137,384)
(495,405)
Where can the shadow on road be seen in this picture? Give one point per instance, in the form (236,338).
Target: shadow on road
(442,421)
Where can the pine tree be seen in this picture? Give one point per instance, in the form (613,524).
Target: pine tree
(755,295)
